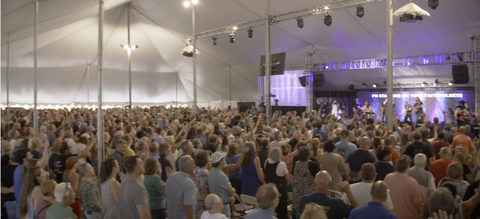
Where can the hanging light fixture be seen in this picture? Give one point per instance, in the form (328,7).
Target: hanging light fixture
(327,20)
(300,22)
(360,11)
(250,32)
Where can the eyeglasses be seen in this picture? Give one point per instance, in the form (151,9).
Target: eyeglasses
(69,186)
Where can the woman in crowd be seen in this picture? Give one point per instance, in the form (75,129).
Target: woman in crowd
(252,175)
(129,152)
(333,164)
(88,192)
(455,172)
(287,156)
(156,189)
(461,158)
(303,175)
(30,195)
(383,165)
(163,152)
(70,175)
(37,147)
(276,172)
(47,188)
(109,187)
(313,211)
(234,176)
(200,177)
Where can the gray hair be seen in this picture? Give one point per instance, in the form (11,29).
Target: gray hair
(185,145)
(420,159)
(43,129)
(27,131)
(68,134)
(468,128)
(83,125)
(211,200)
(275,154)
(364,142)
(441,200)
(184,162)
(276,135)
(266,195)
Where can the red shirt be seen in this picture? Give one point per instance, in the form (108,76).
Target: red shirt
(439,169)
(437,146)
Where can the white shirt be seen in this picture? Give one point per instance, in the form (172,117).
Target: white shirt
(76,149)
(361,191)
(275,144)
(70,142)
(281,167)
(207,215)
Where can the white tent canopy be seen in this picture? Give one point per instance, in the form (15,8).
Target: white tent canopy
(67,44)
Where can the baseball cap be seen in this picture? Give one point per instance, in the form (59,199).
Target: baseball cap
(236,130)
(345,133)
(217,156)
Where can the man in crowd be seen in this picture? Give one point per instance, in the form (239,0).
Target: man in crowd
(120,148)
(15,127)
(375,208)
(218,182)
(64,196)
(51,135)
(334,208)
(132,194)
(419,147)
(21,156)
(213,208)
(345,147)
(279,140)
(440,143)
(361,190)
(463,140)
(441,203)
(268,199)
(439,167)
(187,148)
(181,190)
(357,158)
(424,178)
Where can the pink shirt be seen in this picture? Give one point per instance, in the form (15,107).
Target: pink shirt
(405,194)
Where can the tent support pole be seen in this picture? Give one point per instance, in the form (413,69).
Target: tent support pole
(35,112)
(100,119)
(389,109)
(8,78)
(88,85)
(194,44)
(268,67)
(176,89)
(129,53)
(230,75)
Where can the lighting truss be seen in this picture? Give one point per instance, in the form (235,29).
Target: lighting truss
(412,85)
(422,60)
(321,9)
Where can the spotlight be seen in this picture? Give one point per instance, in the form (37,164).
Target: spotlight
(374,85)
(360,12)
(232,37)
(364,85)
(186,3)
(436,82)
(433,4)
(300,22)
(425,84)
(214,40)
(450,83)
(250,32)
(385,83)
(327,20)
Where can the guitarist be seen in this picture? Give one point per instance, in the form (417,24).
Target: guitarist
(408,112)
(384,111)
(418,108)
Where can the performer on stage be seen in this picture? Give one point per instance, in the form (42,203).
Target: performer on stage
(384,111)
(367,109)
(335,109)
(418,108)
(358,109)
(408,112)
(460,111)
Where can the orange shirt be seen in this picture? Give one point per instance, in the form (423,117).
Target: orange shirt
(395,156)
(438,169)
(465,141)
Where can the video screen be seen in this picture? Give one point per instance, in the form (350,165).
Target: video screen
(434,101)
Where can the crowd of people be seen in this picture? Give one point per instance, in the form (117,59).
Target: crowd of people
(180,164)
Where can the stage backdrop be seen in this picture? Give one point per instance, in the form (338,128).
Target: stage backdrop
(434,100)
(287,88)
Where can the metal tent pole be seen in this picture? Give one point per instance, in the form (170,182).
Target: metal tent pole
(194,44)
(390,64)
(35,112)
(100,118)
(88,85)
(129,54)
(268,67)
(8,78)
(230,75)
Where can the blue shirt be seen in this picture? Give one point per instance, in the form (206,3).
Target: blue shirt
(262,214)
(233,160)
(180,191)
(202,139)
(321,132)
(334,208)
(18,181)
(372,210)
(156,156)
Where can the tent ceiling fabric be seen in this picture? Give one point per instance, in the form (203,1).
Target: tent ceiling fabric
(67,43)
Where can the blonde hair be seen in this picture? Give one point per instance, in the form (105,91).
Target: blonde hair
(48,187)
(313,211)
(455,170)
(35,143)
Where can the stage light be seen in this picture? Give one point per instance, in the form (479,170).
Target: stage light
(450,83)
(326,8)
(374,85)
(124,46)
(214,40)
(433,4)
(186,3)
(232,37)
(134,47)
(300,22)
(436,82)
(250,32)
(424,84)
(194,2)
(364,85)
(360,11)
(235,28)
(351,87)
(327,20)
(385,83)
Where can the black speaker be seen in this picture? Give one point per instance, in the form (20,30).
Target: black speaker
(244,106)
(318,81)
(460,74)
(303,81)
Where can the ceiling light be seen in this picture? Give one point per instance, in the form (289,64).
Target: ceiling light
(374,85)
(232,37)
(450,83)
(433,4)
(214,40)
(300,22)
(186,3)
(327,20)
(326,8)
(364,85)
(235,28)
(360,11)
(250,32)
(194,2)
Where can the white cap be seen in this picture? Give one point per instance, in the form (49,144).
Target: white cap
(217,156)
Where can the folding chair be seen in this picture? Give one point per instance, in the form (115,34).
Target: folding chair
(250,203)
(290,201)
